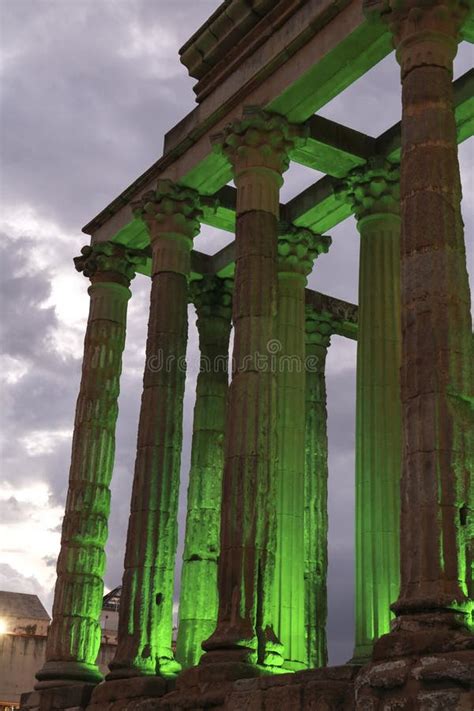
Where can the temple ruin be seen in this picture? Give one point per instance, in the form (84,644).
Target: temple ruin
(252,613)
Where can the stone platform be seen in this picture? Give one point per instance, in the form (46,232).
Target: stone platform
(436,682)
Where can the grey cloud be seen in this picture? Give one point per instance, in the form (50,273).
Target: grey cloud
(14,581)
(82,116)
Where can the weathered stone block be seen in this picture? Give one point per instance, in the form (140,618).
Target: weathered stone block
(117,689)
(445,700)
(388,675)
(285,697)
(245,701)
(441,668)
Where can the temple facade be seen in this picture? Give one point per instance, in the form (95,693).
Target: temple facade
(253,596)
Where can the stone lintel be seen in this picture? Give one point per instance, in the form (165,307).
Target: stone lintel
(333,148)
(342,314)
(316,207)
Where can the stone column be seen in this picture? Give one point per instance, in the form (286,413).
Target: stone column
(171,214)
(297,249)
(258,147)
(374,194)
(74,634)
(212,297)
(318,336)
(437,382)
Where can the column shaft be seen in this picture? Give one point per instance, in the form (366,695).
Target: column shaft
(374,193)
(247,556)
(316,490)
(247,524)
(378,430)
(146,606)
(198,594)
(297,249)
(437,364)
(289,593)
(74,634)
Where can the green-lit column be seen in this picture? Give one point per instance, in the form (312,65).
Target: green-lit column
(74,635)
(212,297)
(171,215)
(318,336)
(297,249)
(437,368)
(258,147)
(374,194)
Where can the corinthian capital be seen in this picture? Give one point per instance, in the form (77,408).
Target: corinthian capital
(298,247)
(170,210)
(319,327)
(109,261)
(425,32)
(258,147)
(373,189)
(260,140)
(212,296)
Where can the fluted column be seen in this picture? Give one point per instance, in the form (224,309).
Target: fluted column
(437,382)
(297,249)
(374,194)
(257,146)
(171,215)
(74,634)
(212,297)
(318,336)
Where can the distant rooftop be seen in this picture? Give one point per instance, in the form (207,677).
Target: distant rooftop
(13,604)
(112,599)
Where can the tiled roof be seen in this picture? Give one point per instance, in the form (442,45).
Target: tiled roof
(13,604)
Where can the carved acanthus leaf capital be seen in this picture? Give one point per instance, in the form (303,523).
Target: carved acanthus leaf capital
(170,210)
(109,258)
(212,296)
(319,327)
(425,32)
(298,247)
(372,189)
(260,140)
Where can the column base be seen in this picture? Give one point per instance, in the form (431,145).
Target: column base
(59,673)
(212,679)
(362,654)
(58,698)
(432,632)
(166,668)
(290,665)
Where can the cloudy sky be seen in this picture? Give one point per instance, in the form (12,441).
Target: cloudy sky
(89,87)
